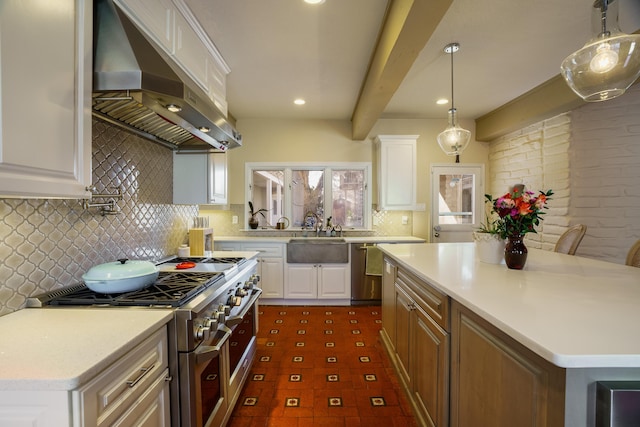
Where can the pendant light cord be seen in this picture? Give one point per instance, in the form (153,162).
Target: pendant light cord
(452,105)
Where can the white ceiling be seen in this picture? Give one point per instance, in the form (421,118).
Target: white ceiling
(279,50)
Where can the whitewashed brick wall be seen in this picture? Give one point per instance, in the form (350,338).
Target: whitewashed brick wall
(605,157)
(537,157)
(590,158)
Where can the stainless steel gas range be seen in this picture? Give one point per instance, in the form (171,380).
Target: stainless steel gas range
(212,338)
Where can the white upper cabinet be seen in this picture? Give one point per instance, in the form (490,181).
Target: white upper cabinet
(45,98)
(191,52)
(396,172)
(200,178)
(155,16)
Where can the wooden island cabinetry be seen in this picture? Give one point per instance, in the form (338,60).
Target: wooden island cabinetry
(495,379)
(456,368)
(523,347)
(418,320)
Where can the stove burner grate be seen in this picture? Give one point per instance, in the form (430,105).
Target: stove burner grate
(170,289)
(216,260)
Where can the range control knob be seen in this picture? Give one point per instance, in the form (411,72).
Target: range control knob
(241,293)
(255,279)
(219,317)
(224,309)
(211,322)
(248,284)
(201,332)
(234,301)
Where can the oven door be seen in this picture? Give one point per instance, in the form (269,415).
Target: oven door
(203,385)
(242,343)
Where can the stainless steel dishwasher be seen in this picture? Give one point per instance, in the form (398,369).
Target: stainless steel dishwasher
(366,289)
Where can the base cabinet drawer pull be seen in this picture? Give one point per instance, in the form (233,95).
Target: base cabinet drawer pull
(143,372)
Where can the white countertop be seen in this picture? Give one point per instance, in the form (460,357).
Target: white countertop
(575,312)
(61,349)
(350,239)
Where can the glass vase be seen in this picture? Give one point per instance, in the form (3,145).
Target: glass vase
(515,252)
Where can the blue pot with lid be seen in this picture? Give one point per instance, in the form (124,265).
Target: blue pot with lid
(123,275)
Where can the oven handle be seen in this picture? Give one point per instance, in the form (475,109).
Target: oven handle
(234,320)
(208,352)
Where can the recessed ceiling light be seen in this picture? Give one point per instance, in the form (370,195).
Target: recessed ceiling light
(299,101)
(204,129)
(442,101)
(314,1)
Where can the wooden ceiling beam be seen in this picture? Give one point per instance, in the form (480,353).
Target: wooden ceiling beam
(407,27)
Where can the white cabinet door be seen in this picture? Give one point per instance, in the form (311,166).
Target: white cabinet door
(272,277)
(200,179)
(155,17)
(191,52)
(45,98)
(301,281)
(217,82)
(217,175)
(314,281)
(334,281)
(397,172)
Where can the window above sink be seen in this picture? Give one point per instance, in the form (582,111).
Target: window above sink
(293,190)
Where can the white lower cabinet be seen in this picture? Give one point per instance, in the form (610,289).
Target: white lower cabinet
(270,268)
(270,264)
(133,391)
(318,281)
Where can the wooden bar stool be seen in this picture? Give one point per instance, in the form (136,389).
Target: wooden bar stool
(570,240)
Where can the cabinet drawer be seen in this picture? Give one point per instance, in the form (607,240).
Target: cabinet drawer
(265,250)
(114,390)
(432,301)
(226,246)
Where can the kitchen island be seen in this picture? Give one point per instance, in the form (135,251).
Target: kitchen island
(567,321)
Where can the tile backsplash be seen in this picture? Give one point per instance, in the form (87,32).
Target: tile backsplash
(46,244)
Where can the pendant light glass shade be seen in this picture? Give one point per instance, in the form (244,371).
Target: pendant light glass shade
(454,139)
(609,63)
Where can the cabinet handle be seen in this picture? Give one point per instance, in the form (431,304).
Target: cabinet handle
(143,372)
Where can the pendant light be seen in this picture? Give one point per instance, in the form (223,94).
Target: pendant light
(609,63)
(454,139)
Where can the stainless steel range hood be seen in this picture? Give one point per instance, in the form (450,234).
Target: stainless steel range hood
(134,82)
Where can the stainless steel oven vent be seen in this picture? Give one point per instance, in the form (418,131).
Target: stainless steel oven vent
(135,83)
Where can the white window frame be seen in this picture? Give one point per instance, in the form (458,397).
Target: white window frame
(328,168)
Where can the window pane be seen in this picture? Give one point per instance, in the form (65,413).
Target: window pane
(456,199)
(267,193)
(348,195)
(307,192)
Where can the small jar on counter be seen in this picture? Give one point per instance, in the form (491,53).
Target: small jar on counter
(184,251)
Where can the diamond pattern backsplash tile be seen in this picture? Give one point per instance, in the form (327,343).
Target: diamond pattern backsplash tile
(46,244)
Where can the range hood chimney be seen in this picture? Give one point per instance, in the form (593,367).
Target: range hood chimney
(138,86)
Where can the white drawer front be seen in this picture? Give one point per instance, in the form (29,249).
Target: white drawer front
(265,250)
(117,388)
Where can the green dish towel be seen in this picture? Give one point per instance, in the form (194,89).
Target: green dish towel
(373,261)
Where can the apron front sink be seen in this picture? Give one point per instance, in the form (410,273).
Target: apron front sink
(320,250)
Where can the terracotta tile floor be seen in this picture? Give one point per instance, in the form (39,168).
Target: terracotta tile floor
(321,366)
